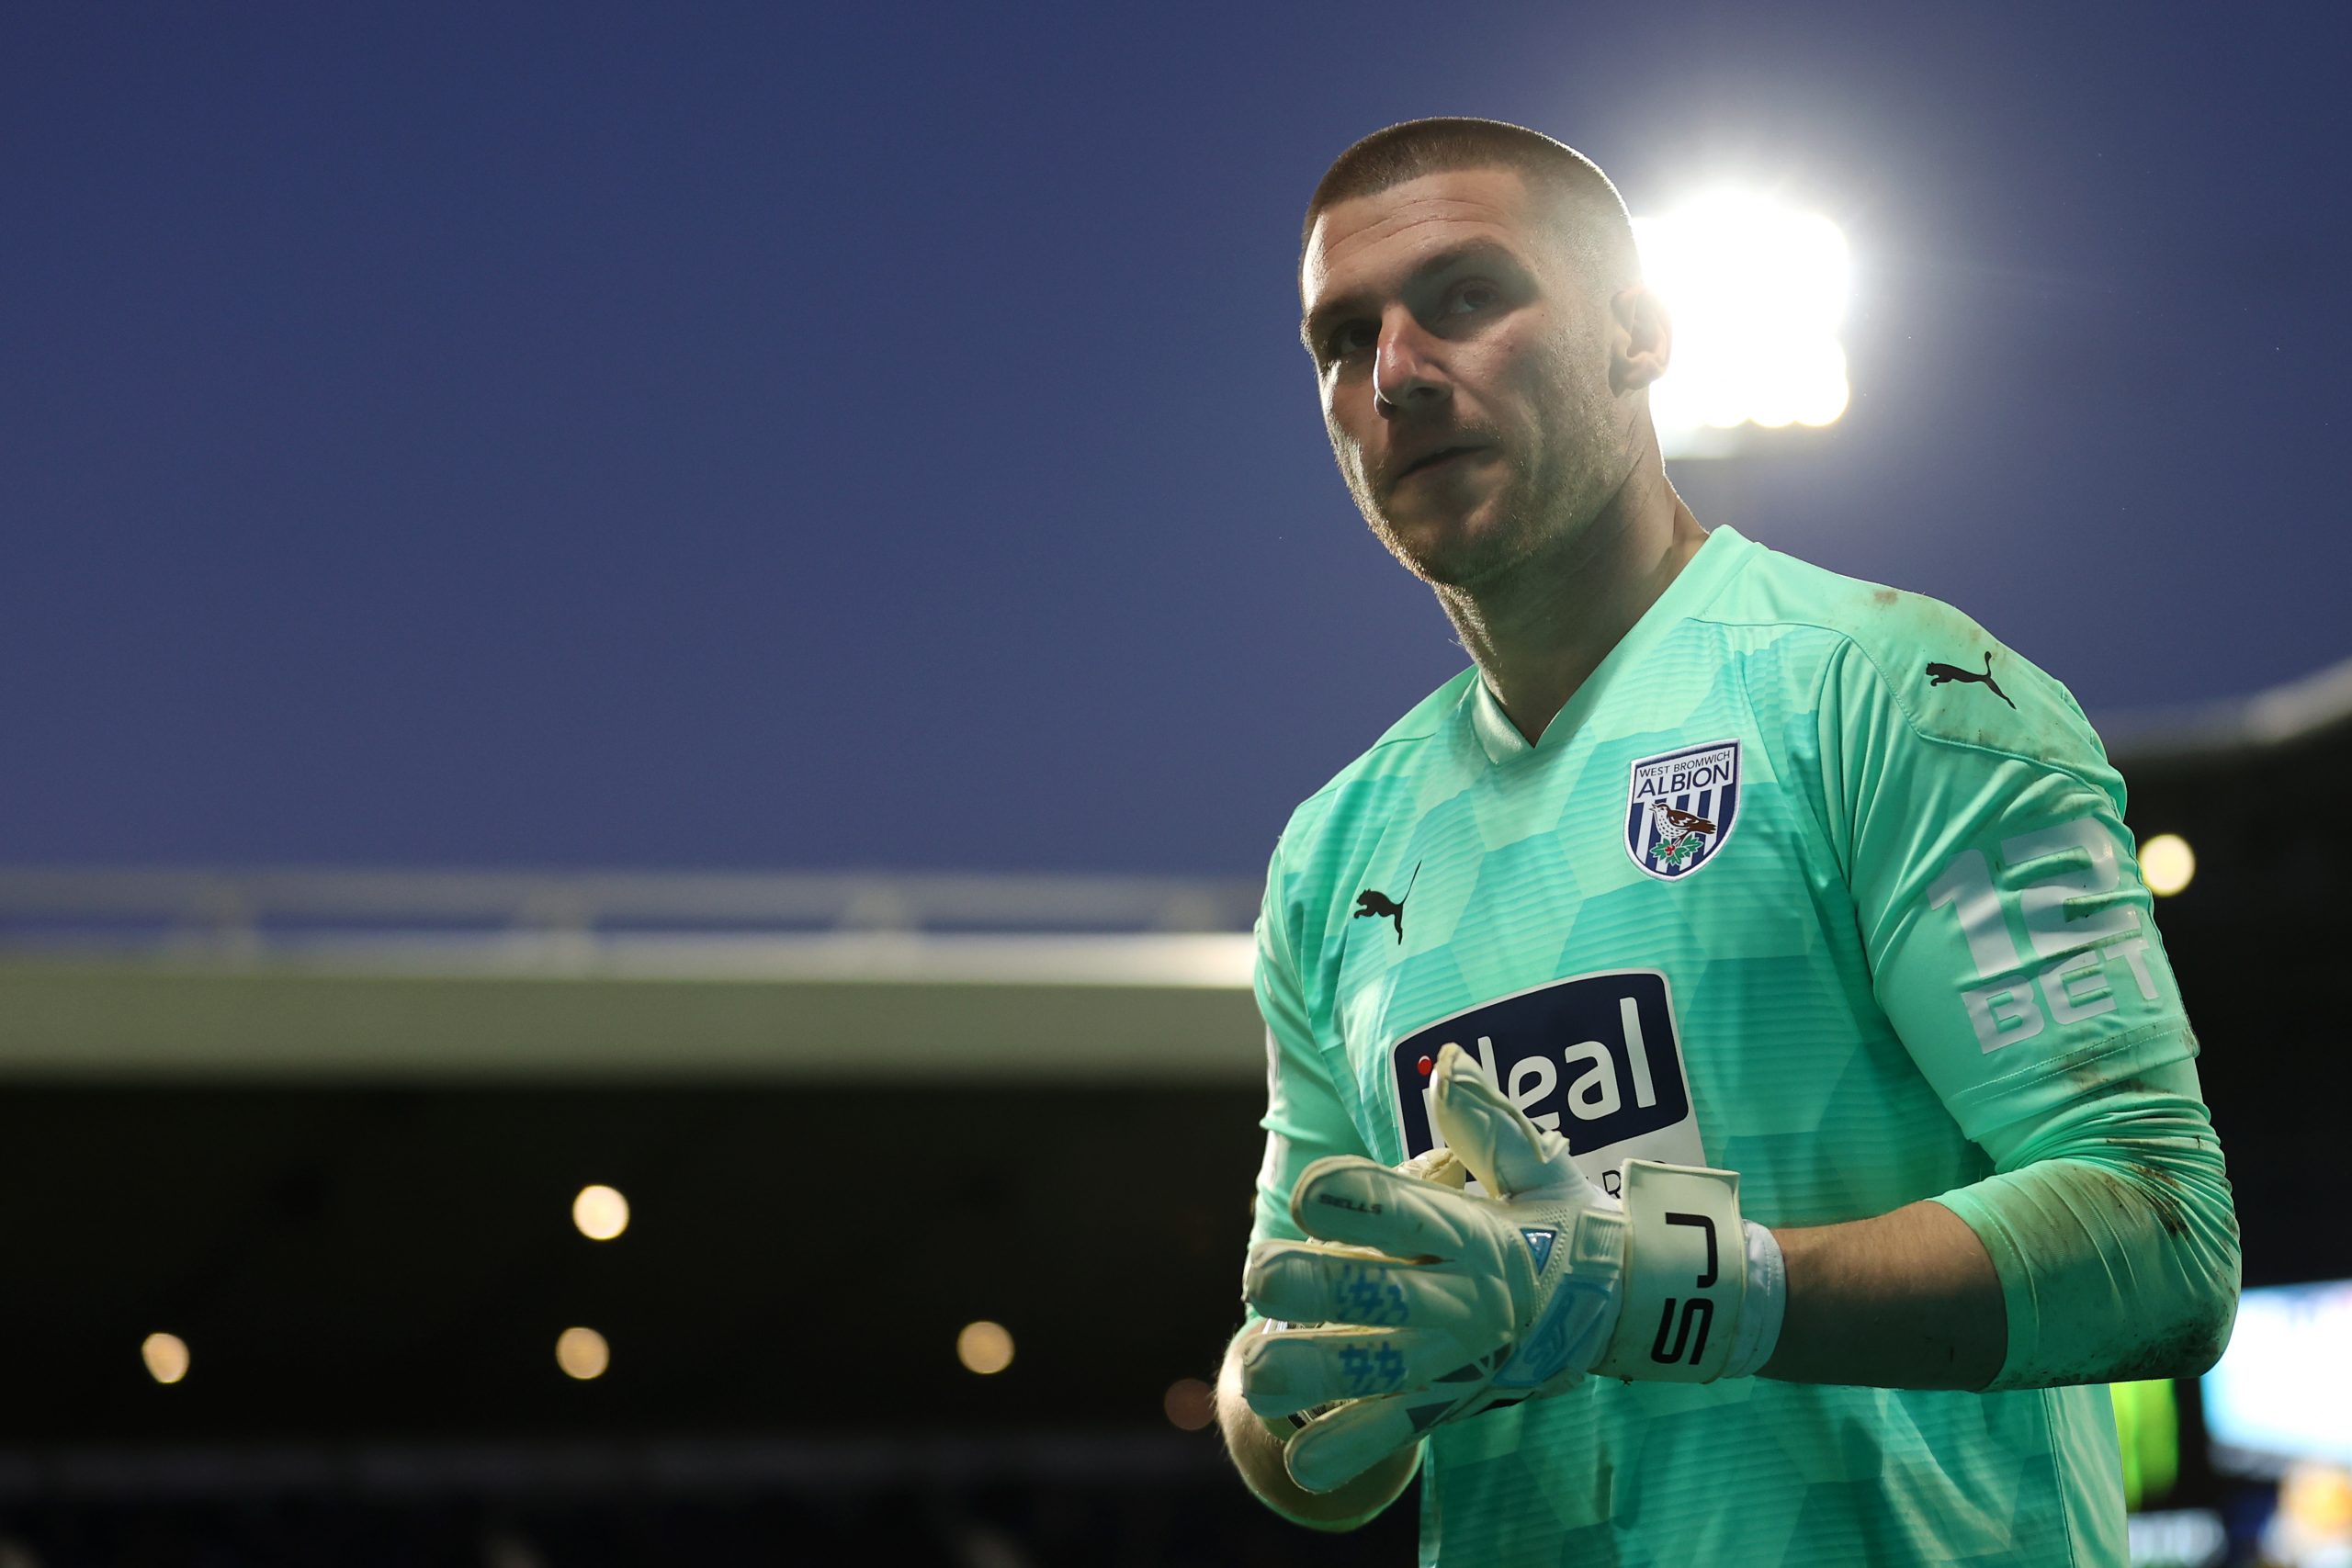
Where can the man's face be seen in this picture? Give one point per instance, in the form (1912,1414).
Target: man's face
(1464,373)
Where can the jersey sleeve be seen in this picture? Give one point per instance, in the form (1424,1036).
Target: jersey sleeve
(2111,1228)
(1304,1119)
(2010,939)
(2012,945)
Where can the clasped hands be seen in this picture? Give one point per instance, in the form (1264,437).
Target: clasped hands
(1419,1301)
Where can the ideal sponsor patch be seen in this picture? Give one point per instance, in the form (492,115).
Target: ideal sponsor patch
(1680,808)
(1593,1057)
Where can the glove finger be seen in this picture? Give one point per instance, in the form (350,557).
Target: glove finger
(1508,1153)
(1315,1282)
(1297,1368)
(1333,1450)
(1440,1164)
(1346,1199)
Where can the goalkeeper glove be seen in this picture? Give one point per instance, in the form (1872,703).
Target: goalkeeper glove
(1422,1304)
(1440,1164)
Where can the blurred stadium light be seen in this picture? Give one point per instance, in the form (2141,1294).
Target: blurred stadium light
(599,1212)
(1758,293)
(2167,863)
(583,1354)
(2282,1390)
(165,1355)
(984,1348)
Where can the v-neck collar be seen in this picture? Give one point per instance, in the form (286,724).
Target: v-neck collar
(1726,551)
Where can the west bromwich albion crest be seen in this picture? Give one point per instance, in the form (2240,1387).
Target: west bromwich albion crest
(1681,807)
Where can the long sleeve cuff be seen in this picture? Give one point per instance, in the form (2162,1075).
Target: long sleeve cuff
(2111,1229)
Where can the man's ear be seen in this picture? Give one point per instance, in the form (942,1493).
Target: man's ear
(1643,341)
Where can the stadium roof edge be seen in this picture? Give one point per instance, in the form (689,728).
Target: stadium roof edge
(253,901)
(2284,715)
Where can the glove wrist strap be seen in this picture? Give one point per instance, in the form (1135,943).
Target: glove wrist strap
(1686,1275)
(1764,1306)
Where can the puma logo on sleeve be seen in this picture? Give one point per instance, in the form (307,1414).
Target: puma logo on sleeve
(1372,903)
(1938,674)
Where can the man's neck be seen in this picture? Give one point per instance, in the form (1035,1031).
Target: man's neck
(1538,635)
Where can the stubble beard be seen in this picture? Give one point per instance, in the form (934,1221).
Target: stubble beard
(1450,555)
(1545,501)
(1541,504)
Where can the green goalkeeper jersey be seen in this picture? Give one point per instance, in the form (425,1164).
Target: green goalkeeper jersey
(1812,880)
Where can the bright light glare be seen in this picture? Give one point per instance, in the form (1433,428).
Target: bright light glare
(166,1357)
(2167,863)
(600,1212)
(984,1348)
(582,1353)
(1757,292)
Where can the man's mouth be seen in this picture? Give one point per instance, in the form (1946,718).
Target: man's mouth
(1436,459)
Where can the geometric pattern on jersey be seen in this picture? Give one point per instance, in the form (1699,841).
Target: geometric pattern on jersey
(1844,1000)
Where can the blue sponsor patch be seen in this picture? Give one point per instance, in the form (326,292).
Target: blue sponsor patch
(1680,807)
(1592,1057)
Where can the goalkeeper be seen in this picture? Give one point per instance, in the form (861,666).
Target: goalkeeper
(1728,1098)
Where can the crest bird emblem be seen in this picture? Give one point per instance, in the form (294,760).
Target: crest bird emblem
(1681,834)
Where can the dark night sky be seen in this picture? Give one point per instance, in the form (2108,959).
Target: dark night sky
(769,437)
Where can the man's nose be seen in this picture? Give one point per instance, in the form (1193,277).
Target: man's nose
(1404,377)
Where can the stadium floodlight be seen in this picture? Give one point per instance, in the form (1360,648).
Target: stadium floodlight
(1758,292)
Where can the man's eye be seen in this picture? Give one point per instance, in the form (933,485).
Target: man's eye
(1354,337)
(1471,298)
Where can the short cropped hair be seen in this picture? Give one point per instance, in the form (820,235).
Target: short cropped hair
(1593,223)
